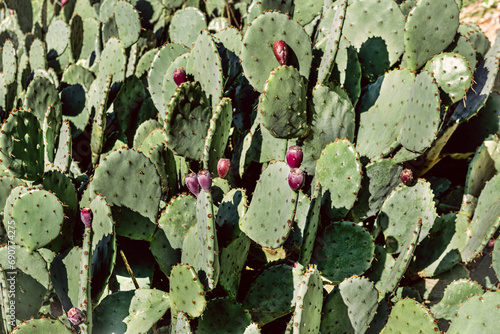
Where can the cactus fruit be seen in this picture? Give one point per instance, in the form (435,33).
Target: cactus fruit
(193,184)
(76,316)
(281,52)
(86,217)
(179,76)
(296,179)
(294,156)
(223,167)
(205,180)
(406,177)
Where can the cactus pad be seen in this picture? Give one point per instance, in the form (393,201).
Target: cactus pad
(307,315)
(429,29)
(422,118)
(269,217)
(474,315)
(21,145)
(46,325)
(338,170)
(409,316)
(283,103)
(455,294)
(185,26)
(186,291)
(257,55)
(223,315)
(187,121)
(127,178)
(343,249)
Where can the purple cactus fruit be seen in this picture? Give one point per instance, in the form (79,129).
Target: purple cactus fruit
(294,156)
(192,183)
(11,11)
(205,180)
(281,52)
(296,179)
(223,167)
(407,177)
(86,216)
(75,316)
(63,3)
(180,76)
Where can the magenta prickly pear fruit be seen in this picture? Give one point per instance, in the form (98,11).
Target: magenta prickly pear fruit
(86,216)
(205,180)
(192,183)
(281,52)
(223,167)
(75,316)
(407,177)
(294,156)
(296,179)
(180,76)
(63,3)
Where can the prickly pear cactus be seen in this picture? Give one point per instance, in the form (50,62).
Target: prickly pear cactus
(257,166)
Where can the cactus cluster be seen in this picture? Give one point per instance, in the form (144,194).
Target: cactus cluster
(248,167)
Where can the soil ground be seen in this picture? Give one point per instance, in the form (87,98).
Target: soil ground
(488,18)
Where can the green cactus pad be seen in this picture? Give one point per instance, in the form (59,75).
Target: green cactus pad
(435,254)
(257,7)
(397,270)
(305,11)
(9,62)
(204,63)
(429,29)
(162,250)
(39,217)
(177,217)
(64,149)
(76,74)
(464,47)
(76,37)
(310,228)
(484,79)
(130,311)
(333,117)
(128,23)
(231,39)
(347,71)
(360,299)
(218,135)
(169,86)
(232,261)
(474,35)
(144,130)
(46,325)
(343,249)
(206,232)
(272,293)
(57,37)
(269,217)
(155,138)
(223,315)
(231,210)
(283,103)
(381,178)
(186,291)
(475,315)
(332,40)
(113,61)
(156,75)
(335,316)
(32,278)
(367,18)
(422,117)
(127,178)
(185,26)
(380,126)
(452,74)
(404,206)
(455,294)
(257,55)
(51,129)
(338,170)
(103,246)
(7,183)
(187,121)
(181,323)
(21,145)
(409,316)
(485,221)
(496,259)
(309,297)
(40,94)
(144,64)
